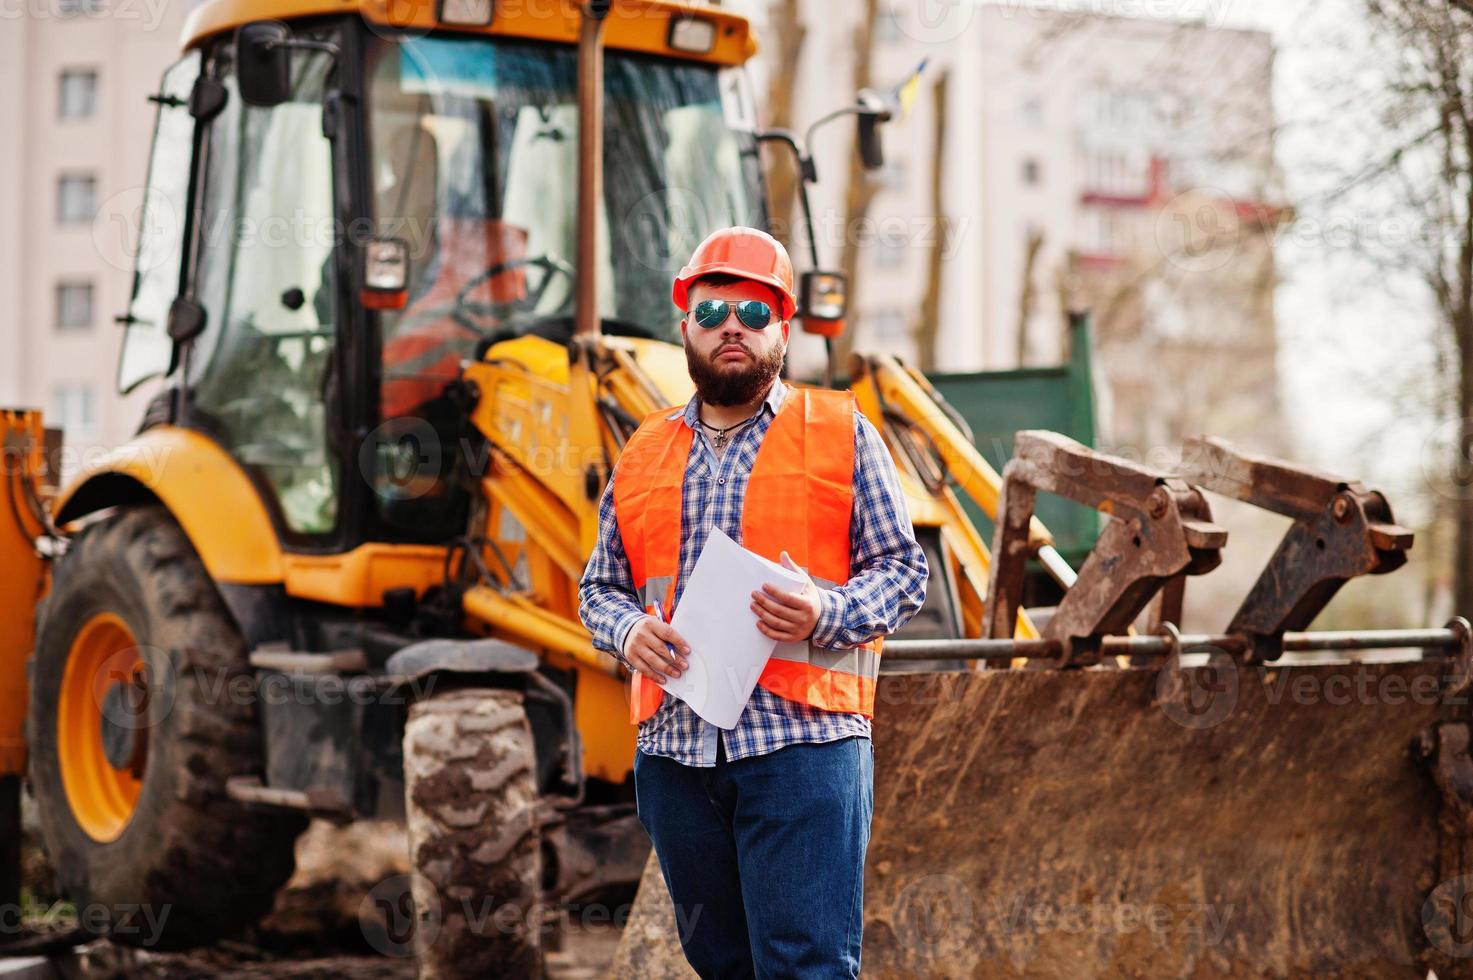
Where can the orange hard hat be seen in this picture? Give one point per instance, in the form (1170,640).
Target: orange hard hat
(745,252)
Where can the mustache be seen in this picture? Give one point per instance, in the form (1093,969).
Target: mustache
(720,386)
(734,345)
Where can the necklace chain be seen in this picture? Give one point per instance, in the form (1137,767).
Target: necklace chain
(721,433)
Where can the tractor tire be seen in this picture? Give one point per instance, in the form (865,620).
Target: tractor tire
(142,705)
(474,840)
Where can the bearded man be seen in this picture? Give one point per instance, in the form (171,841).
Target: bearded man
(760,831)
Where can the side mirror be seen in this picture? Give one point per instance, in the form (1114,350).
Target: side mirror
(871,153)
(386,274)
(263,63)
(823,299)
(873,110)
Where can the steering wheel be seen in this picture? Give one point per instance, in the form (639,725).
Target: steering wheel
(271,336)
(558,329)
(547,262)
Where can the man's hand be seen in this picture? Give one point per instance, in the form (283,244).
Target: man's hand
(788,617)
(647,651)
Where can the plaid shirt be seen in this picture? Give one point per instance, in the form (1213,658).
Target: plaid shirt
(887,585)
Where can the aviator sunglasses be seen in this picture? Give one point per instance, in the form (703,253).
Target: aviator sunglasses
(712,313)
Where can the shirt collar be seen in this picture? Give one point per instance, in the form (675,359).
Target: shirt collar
(691,413)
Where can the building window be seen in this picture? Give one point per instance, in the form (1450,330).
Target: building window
(887,325)
(1032,172)
(1125,110)
(74,409)
(73,305)
(78,94)
(892,176)
(889,253)
(1033,112)
(1111,172)
(79,8)
(887,27)
(76,199)
(1104,233)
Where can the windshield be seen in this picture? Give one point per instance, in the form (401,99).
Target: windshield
(475,150)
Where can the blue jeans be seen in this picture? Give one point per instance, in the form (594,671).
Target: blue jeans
(764,857)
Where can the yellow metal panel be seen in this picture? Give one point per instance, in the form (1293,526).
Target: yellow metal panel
(925,510)
(218,507)
(23,575)
(517,620)
(666,367)
(541,513)
(586,428)
(886,384)
(601,711)
(868,400)
(525,408)
(360,577)
(220,16)
(602,717)
(971,471)
(632,25)
(208,494)
(540,356)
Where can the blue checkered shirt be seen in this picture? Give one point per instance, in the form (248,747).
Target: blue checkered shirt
(887,584)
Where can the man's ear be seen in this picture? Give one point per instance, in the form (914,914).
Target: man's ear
(787,327)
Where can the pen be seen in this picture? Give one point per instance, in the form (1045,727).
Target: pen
(656,610)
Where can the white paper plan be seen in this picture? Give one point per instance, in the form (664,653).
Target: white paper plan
(727,651)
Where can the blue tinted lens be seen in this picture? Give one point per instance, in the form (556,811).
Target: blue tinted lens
(754,313)
(711,313)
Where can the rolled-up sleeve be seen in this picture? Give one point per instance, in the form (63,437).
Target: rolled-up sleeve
(887,582)
(607,601)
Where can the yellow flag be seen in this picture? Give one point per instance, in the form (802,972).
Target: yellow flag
(906,91)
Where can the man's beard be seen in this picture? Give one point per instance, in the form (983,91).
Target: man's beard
(726,387)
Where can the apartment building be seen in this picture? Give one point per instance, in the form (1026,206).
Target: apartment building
(75,76)
(1121,164)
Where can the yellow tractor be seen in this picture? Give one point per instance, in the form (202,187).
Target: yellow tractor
(404,271)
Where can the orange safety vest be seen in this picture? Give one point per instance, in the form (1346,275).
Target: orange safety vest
(799,499)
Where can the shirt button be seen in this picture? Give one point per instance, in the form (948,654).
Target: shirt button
(722,480)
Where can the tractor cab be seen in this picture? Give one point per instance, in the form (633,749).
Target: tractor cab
(341,211)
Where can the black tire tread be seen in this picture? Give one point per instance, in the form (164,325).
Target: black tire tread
(216,864)
(471,795)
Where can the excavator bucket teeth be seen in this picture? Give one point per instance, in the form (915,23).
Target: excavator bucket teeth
(1226,820)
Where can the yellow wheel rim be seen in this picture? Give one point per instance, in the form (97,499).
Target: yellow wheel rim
(102,795)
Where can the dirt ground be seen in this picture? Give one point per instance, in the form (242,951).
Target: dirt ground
(316,930)
(587,954)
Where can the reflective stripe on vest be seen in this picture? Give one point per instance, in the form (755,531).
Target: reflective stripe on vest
(799,499)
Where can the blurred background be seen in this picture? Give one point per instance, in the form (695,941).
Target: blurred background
(1265,206)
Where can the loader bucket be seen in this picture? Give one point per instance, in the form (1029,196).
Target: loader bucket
(1222,820)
